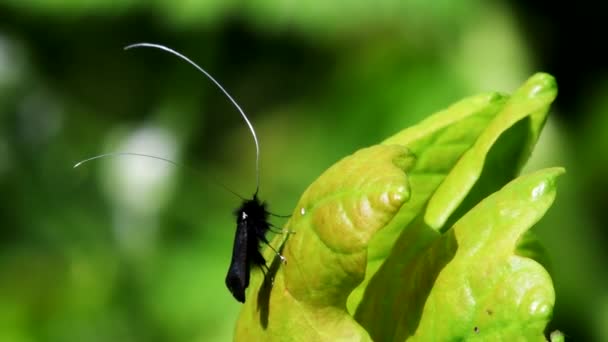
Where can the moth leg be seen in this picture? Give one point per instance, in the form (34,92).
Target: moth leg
(276,215)
(283,260)
(278,230)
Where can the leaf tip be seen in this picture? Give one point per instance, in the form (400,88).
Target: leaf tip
(553,173)
(540,84)
(547,181)
(556,336)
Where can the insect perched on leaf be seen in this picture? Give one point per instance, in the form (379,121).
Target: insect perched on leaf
(252,218)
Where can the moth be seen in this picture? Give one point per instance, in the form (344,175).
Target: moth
(252,218)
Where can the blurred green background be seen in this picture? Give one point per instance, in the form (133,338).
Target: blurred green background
(129,249)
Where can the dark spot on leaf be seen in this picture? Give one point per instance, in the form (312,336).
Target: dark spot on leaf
(489,312)
(476,329)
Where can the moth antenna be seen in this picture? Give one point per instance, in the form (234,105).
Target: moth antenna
(255,137)
(119,154)
(116,154)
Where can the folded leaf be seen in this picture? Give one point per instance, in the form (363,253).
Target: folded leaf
(438,143)
(464,153)
(469,283)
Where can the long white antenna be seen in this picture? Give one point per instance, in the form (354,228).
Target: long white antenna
(114,154)
(118,154)
(255,137)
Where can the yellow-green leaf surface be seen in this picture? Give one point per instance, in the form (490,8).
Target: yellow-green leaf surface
(483,140)
(372,237)
(470,283)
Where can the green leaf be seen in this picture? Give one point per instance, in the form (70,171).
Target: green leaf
(500,151)
(464,153)
(469,283)
(438,143)
(371,234)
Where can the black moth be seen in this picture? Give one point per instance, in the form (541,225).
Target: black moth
(251,217)
(251,227)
